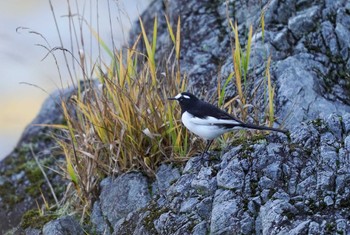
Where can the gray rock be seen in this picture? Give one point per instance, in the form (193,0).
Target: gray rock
(98,220)
(343,39)
(123,195)
(297,93)
(302,228)
(328,200)
(224,214)
(275,212)
(200,229)
(15,169)
(188,205)
(32,231)
(204,183)
(314,228)
(232,176)
(329,37)
(274,186)
(343,226)
(165,176)
(346,123)
(281,40)
(303,22)
(63,226)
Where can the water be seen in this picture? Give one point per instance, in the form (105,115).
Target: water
(20,58)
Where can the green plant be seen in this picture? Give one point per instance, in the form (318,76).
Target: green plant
(244,100)
(126,123)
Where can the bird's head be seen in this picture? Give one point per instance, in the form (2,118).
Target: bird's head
(185,100)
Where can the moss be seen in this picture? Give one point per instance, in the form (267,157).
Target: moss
(330,227)
(344,203)
(289,214)
(33,219)
(8,195)
(254,187)
(154,214)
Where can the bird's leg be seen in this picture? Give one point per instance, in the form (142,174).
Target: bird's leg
(209,142)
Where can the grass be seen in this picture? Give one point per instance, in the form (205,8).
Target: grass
(121,120)
(125,122)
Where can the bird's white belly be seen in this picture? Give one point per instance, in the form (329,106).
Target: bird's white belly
(204,129)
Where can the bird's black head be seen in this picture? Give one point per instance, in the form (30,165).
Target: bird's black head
(185,99)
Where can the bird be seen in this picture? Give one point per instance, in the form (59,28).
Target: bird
(208,121)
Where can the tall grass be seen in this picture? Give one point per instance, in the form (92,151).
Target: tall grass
(244,100)
(126,123)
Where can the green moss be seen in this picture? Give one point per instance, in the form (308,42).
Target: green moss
(254,187)
(330,227)
(154,214)
(318,122)
(9,196)
(345,203)
(33,219)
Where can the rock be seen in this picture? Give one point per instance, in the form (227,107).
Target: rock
(101,226)
(303,22)
(63,226)
(328,200)
(314,228)
(200,229)
(329,37)
(122,196)
(22,181)
(224,213)
(32,231)
(346,123)
(225,178)
(204,183)
(343,39)
(166,175)
(275,213)
(302,228)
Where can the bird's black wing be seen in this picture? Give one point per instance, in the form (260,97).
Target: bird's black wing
(204,110)
(220,114)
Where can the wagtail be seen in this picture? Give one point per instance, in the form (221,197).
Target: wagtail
(208,121)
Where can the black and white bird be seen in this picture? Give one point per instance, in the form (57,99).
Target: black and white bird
(209,122)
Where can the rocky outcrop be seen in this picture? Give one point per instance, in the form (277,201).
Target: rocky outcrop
(266,185)
(21,179)
(270,185)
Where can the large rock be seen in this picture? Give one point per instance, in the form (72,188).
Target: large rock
(272,185)
(118,199)
(21,180)
(63,226)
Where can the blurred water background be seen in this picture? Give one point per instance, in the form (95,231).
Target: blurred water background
(21,59)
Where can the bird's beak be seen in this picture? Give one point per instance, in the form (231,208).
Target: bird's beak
(172,98)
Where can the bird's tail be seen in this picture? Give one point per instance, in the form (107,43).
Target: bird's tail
(256,127)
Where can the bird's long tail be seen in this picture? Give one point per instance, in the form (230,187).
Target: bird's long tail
(256,127)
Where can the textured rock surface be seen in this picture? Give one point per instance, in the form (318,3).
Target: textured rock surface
(21,180)
(269,186)
(118,198)
(62,226)
(273,185)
